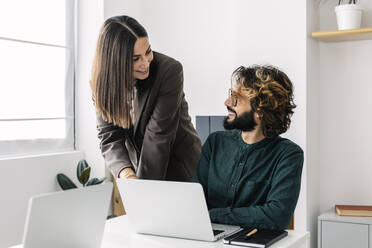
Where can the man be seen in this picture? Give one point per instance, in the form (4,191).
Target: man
(250,175)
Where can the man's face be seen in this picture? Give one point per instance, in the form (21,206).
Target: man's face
(240,114)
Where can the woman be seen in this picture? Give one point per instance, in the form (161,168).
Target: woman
(143,124)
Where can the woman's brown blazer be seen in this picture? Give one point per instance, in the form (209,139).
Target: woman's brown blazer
(163,143)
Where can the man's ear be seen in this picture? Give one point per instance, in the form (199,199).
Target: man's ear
(258,115)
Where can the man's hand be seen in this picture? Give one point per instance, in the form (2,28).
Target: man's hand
(127,173)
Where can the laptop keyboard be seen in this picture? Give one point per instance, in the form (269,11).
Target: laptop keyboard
(216,232)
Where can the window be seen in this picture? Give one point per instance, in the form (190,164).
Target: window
(36,76)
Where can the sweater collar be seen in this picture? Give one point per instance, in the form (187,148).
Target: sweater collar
(257,145)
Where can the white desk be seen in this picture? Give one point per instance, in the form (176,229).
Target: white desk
(117,234)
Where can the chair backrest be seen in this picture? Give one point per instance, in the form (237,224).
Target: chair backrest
(117,203)
(291,225)
(206,125)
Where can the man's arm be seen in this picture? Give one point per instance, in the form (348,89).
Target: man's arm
(277,212)
(202,170)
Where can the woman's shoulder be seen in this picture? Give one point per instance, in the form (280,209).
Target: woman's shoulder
(164,62)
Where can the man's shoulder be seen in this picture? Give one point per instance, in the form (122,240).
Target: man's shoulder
(288,145)
(227,135)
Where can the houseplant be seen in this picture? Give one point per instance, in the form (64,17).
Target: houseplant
(82,173)
(348,15)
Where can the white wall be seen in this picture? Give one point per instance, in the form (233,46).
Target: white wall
(312,123)
(115,7)
(267,33)
(23,177)
(345,116)
(211,38)
(204,40)
(90,20)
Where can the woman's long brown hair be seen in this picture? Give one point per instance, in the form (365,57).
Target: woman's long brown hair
(112,81)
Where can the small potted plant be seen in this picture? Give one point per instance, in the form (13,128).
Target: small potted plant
(349,15)
(82,173)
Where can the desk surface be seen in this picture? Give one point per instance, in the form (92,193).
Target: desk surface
(117,234)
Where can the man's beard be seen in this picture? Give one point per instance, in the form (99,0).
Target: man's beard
(244,122)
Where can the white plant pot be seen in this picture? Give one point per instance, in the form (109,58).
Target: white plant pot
(349,16)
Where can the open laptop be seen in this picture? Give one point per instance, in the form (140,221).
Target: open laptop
(173,209)
(73,218)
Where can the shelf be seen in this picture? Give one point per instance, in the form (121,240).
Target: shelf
(344,35)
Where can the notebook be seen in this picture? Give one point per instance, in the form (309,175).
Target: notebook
(353,210)
(262,238)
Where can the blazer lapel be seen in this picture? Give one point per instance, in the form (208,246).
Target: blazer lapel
(142,98)
(143,89)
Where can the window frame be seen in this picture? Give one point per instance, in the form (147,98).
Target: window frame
(20,147)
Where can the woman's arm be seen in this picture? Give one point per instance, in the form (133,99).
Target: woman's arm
(112,140)
(162,127)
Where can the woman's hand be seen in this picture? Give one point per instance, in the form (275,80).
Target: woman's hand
(127,173)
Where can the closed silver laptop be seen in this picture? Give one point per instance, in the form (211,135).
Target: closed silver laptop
(74,218)
(173,209)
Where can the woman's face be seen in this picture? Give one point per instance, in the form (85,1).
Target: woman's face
(142,57)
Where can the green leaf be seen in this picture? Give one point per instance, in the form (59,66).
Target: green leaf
(85,176)
(82,165)
(95,181)
(65,182)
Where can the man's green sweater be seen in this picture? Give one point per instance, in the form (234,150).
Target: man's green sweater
(254,185)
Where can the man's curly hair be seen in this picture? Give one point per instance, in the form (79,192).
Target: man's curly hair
(271,96)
